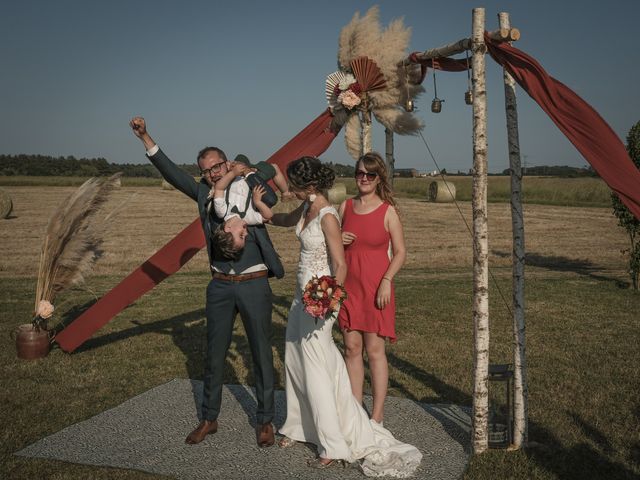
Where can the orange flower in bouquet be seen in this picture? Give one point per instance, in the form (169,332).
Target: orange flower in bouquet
(323,296)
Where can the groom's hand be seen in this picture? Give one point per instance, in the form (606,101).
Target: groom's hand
(348,238)
(139,126)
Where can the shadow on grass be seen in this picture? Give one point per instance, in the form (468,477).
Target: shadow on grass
(564,264)
(188,332)
(578,461)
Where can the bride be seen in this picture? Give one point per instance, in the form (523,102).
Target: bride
(320,406)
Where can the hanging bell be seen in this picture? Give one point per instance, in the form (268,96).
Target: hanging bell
(436,105)
(468,97)
(409,105)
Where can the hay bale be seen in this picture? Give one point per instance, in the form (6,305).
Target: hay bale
(118,182)
(166,185)
(337,194)
(6,204)
(441,191)
(286,206)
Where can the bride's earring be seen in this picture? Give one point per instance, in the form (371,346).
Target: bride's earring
(312,198)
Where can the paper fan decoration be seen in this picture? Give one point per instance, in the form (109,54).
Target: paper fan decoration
(368,74)
(333,80)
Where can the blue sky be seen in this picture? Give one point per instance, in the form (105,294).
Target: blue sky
(248,75)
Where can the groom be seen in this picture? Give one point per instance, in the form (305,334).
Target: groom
(237,286)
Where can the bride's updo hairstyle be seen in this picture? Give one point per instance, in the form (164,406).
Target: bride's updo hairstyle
(310,172)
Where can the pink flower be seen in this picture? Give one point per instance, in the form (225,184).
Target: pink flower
(45,309)
(349,99)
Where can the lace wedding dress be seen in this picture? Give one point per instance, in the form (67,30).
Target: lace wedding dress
(320,406)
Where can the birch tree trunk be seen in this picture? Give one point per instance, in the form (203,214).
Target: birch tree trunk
(366,130)
(520,390)
(389,154)
(480,240)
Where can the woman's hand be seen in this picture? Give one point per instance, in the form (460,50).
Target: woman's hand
(348,238)
(383,295)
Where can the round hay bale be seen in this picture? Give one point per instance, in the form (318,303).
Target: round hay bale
(337,194)
(286,206)
(118,182)
(442,192)
(6,204)
(166,185)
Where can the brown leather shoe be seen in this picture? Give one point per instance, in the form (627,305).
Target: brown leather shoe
(201,431)
(264,435)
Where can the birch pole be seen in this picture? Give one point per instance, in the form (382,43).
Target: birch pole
(480,240)
(520,389)
(365,121)
(388,135)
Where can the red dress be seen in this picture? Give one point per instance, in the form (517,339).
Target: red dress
(367,260)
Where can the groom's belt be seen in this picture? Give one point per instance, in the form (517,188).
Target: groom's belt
(241,277)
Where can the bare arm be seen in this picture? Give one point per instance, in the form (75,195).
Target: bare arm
(347,237)
(287,219)
(333,238)
(223,182)
(392,222)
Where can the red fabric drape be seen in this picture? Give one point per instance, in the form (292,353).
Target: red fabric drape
(579,122)
(312,140)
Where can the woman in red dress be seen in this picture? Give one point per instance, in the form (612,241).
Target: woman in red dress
(370,223)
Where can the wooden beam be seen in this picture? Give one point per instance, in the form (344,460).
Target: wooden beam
(500,35)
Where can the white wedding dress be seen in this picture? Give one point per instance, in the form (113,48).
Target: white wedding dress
(320,406)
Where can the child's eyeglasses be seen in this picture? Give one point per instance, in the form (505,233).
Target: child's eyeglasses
(371,176)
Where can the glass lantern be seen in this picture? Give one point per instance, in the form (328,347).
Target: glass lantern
(500,405)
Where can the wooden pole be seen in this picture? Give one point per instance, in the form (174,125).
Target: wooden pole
(480,239)
(520,389)
(365,121)
(388,134)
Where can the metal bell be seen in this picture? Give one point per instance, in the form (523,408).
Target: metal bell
(409,105)
(468,97)
(436,105)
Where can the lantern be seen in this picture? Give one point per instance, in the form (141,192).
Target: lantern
(500,406)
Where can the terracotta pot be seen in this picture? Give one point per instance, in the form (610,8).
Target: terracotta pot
(31,343)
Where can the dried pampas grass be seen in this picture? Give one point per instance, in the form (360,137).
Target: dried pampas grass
(353,136)
(73,238)
(364,36)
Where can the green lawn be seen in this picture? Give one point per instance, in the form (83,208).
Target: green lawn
(582,348)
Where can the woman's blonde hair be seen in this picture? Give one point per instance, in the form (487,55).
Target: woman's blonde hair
(373,162)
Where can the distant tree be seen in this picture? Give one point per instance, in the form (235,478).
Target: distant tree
(625,218)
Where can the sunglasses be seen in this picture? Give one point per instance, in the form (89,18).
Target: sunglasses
(371,176)
(215,169)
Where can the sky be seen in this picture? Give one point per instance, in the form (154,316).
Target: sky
(247,76)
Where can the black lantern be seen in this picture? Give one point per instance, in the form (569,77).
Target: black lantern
(436,103)
(500,406)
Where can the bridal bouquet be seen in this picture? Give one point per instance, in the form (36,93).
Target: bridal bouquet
(323,296)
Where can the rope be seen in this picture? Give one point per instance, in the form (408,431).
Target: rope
(475,246)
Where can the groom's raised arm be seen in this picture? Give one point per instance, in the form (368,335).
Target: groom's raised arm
(177,177)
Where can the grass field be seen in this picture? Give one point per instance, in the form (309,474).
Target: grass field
(577,192)
(582,330)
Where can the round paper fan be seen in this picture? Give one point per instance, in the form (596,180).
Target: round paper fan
(332,80)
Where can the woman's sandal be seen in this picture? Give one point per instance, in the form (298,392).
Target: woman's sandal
(316,463)
(286,442)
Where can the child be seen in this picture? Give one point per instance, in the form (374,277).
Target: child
(239,206)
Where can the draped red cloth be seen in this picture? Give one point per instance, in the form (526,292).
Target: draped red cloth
(580,123)
(313,140)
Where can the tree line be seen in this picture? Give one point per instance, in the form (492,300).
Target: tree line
(45,166)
